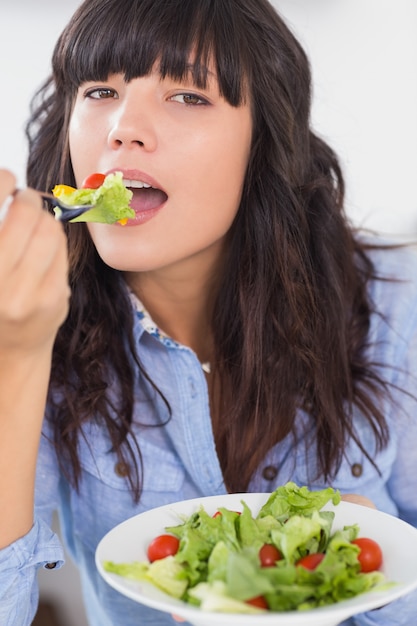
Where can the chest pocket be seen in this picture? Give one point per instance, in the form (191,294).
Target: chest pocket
(104,498)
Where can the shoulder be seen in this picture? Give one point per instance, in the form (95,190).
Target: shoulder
(393,301)
(393,290)
(391,260)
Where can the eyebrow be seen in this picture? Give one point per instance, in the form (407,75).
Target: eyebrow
(200,75)
(190,67)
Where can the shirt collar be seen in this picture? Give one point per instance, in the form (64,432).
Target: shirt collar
(149,325)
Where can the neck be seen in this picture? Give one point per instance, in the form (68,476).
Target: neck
(181,309)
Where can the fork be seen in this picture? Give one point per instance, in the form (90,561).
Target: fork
(67,212)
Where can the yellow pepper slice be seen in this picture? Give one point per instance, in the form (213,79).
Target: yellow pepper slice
(62,190)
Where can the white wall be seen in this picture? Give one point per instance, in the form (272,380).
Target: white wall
(364,58)
(28,31)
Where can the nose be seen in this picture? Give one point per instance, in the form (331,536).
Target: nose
(132,128)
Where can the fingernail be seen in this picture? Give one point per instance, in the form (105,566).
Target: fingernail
(4,208)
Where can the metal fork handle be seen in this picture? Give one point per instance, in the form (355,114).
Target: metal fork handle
(67,212)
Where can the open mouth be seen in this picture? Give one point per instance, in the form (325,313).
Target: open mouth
(145,197)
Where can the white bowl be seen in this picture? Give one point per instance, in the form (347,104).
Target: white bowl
(128,542)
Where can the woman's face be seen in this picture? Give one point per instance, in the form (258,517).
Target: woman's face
(182,149)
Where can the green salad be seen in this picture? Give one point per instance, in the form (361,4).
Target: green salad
(219,562)
(111,199)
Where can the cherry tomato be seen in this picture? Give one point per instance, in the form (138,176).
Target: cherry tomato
(269,555)
(311,561)
(259,602)
(93,181)
(370,555)
(162,546)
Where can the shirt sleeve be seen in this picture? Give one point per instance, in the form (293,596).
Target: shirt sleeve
(402,483)
(399,345)
(40,547)
(401,612)
(394,339)
(19,564)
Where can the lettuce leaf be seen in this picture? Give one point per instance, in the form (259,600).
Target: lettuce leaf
(165,573)
(214,597)
(290,499)
(111,200)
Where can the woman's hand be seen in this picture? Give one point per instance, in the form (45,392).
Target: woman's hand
(34,295)
(34,290)
(357,499)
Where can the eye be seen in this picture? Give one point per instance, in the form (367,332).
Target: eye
(101,93)
(190,99)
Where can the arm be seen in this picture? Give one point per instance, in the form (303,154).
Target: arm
(402,482)
(34,296)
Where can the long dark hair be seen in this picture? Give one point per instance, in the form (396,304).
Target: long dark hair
(291,315)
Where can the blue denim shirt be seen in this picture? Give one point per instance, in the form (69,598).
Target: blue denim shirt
(180,462)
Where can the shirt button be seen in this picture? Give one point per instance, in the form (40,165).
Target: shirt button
(121,469)
(270,472)
(193,391)
(50,565)
(357,470)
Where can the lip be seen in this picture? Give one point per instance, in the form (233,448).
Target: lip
(130,174)
(141,216)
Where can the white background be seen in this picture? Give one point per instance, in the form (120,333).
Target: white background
(364,60)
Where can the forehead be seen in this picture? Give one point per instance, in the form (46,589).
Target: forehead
(182,46)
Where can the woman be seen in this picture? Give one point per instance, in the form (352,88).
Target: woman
(236,333)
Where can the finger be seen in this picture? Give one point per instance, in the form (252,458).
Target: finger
(31,313)
(18,227)
(54,283)
(45,244)
(40,274)
(33,256)
(7,186)
(358,499)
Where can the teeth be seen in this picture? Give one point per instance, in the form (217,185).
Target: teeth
(136,184)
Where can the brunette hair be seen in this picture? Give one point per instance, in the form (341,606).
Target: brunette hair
(291,316)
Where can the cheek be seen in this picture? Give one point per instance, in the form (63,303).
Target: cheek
(221,176)
(232,154)
(83,147)
(77,154)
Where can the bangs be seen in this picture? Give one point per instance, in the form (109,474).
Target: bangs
(131,37)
